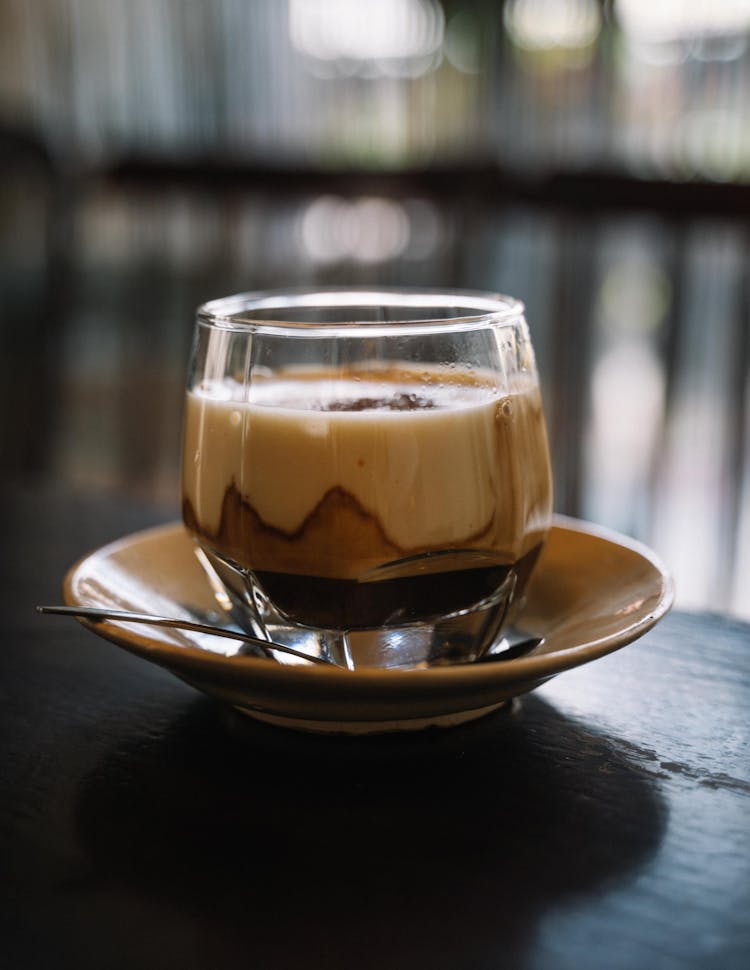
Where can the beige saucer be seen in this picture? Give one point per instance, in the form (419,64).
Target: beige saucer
(593,591)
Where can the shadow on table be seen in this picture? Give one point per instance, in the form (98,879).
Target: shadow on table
(440,849)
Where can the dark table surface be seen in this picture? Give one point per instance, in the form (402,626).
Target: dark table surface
(602,822)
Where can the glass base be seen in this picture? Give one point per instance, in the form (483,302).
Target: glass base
(459,637)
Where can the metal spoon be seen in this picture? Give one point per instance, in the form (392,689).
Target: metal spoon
(97,615)
(510,652)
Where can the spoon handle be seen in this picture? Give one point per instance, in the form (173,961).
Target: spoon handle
(125,616)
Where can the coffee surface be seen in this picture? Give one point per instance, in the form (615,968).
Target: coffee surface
(366,475)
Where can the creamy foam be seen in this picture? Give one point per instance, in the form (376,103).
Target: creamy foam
(328,474)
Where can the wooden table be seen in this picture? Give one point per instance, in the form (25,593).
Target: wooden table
(603,822)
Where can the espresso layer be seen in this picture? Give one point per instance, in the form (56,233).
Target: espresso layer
(345,604)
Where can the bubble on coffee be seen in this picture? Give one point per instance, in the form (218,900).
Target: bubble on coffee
(368,497)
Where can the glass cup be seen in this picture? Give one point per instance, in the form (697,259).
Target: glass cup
(366,472)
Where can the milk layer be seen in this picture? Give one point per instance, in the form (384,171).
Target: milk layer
(326,474)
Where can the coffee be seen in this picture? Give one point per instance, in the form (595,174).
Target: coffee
(369,497)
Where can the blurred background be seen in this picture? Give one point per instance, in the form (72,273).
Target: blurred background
(591,157)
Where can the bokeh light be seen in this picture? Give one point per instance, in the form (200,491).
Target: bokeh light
(398,38)
(539,25)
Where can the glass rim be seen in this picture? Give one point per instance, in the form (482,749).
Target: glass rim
(255,311)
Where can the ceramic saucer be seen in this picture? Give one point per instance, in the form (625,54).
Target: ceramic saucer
(592,592)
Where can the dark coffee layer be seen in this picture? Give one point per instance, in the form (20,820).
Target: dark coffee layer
(345,604)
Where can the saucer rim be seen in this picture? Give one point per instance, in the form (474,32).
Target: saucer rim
(236,670)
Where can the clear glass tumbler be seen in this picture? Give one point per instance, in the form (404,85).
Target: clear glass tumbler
(366,472)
